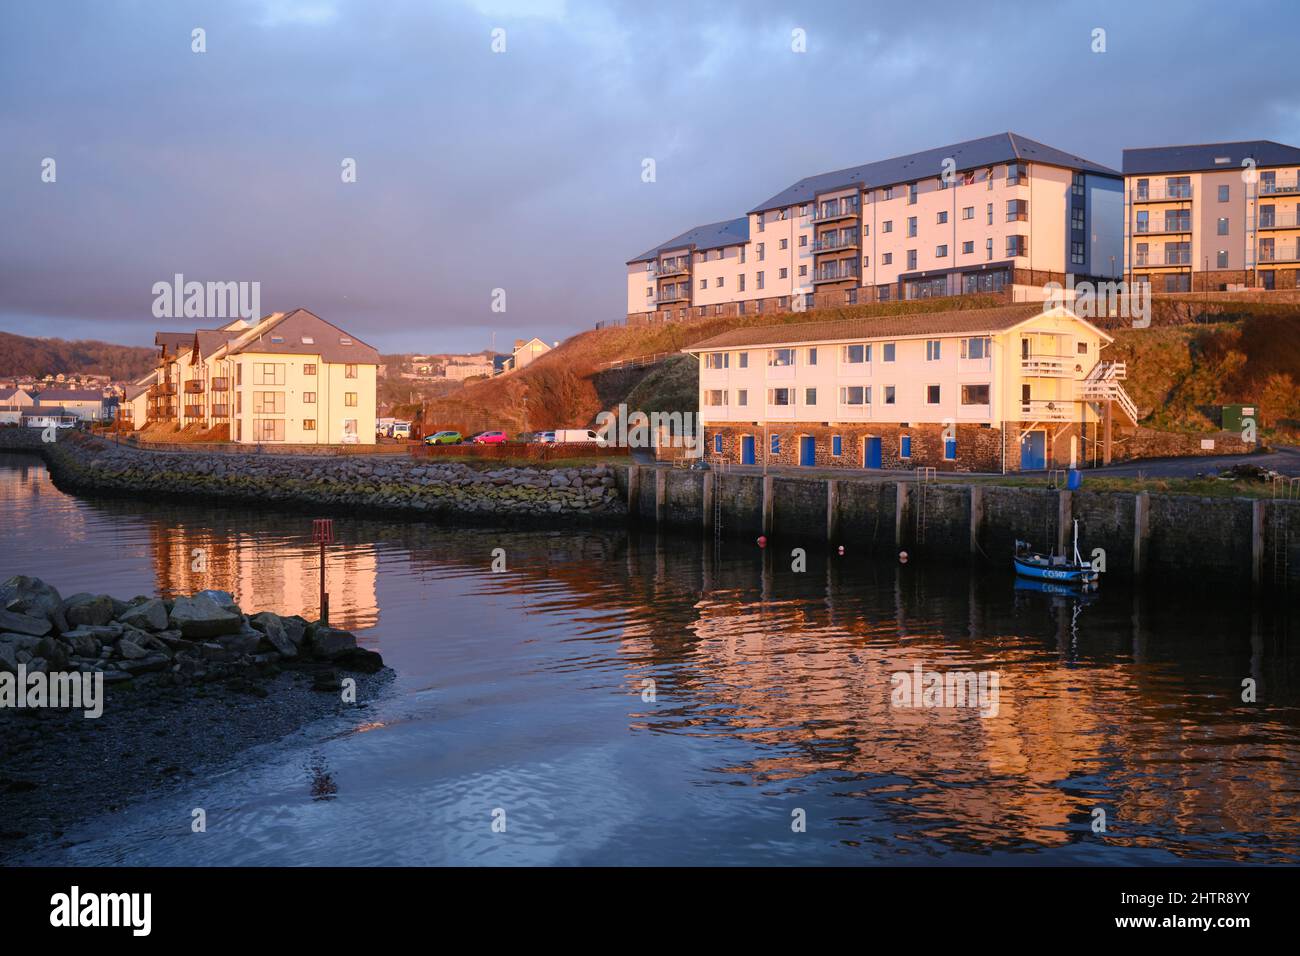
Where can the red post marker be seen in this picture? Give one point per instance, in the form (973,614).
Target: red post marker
(762,541)
(322,533)
(840,550)
(902,557)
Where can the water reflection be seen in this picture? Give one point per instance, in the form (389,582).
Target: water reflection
(527,689)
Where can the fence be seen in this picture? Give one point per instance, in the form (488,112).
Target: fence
(237,448)
(532,451)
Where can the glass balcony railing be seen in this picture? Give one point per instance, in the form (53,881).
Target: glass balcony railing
(1280,252)
(842,209)
(1163,257)
(1162,228)
(1162,192)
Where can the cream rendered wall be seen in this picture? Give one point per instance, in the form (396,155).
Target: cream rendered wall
(638,280)
(329,411)
(1048,227)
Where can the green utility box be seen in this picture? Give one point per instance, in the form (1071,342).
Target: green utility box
(1234,416)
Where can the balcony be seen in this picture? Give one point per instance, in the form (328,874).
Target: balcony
(193,387)
(673,267)
(848,270)
(220,411)
(1169,257)
(1278,253)
(1046,366)
(220,385)
(667,296)
(1052,410)
(1162,192)
(1279,189)
(848,239)
(1286,220)
(193,411)
(1167,228)
(156,391)
(834,210)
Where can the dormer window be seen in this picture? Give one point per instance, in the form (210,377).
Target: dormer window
(277,340)
(345,341)
(308,340)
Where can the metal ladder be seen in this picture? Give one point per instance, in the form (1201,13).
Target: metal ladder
(924,475)
(1284,489)
(717,512)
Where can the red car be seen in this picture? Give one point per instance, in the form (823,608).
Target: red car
(489,438)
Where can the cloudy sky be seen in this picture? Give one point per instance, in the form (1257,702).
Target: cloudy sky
(521,170)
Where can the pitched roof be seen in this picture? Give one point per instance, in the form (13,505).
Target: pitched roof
(958,322)
(714,235)
(69,395)
(972,154)
(209,340)
(303,333)
(1203,156)
(8,393)
(173,341)
(135,390)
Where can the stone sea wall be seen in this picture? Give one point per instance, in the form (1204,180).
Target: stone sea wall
(416,486)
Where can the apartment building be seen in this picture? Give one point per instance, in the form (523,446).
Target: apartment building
(83,404)
(290,378)
(1213,216)
(990,215)
(992,390)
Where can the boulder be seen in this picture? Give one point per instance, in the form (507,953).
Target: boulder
(295,628)
(245,642)
(201,617)
(223,599)
(8,658)
(84,642)
(331,642)
(145,665)
(15,622)
(33,596)
(89,609)
(54,651)
(150,616)
(359,659)
(275,635)
(131,650)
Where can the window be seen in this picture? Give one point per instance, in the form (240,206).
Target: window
(740,282)
(974,394)
(1076,253)
(268,429)
(1143,221)
(718,282)
(854,395)
(855,354)
(887,259)
(803,240)
(761,226)
(717,444)
(810,396)
(890,394)
(742,360)
(988,249)
(1076,219)
(933,394)
(309,368)
(887,226)
(905,446)
(1017,210)
(783,273)
(704,284)
(989,212)
(1223,227)
(911,194)
(911,226)
(776,444)
(933,350)
(837,445)
(911,258)
(941,217)
(742,396)
(968,212)
(742,255)
(1076,184)
(812,356)
(889,351)
(1221,259)
(309,424)
(941,252)
(649,291)
(1017,246)
(759,280)
(866,230)
(715,396)
(350,399)
(1224,193)
(950,449)
(780,357)
(309,398)
(268,403)
(888,192)
(780,396)
(784,244)
(268,373)
(866,261)
(968,248)
(717,360)
(349,371)
(1016,173)
(978,348)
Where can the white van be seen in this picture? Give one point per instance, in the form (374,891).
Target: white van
(401,430)
(577,436)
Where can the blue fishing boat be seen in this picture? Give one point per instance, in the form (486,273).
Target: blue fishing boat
(1054,567)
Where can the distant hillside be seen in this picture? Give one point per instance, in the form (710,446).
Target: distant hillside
(20,355)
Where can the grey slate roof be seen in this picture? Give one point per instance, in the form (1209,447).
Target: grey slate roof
(173,341)
(1202,156)
(328,340)
(973,154)
(69,395)
(212,339)
(714,235)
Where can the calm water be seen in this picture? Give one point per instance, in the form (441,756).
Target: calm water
(522,691)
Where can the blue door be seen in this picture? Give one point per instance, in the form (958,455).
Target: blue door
(747,449)
(871,453)
(807,451)
(1033,451)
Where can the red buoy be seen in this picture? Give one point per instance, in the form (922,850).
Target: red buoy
(762,541)
(840,549)
(902,557)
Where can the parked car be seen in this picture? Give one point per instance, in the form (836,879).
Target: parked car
(444,438)
(544,438)
(579,435)
(489,438)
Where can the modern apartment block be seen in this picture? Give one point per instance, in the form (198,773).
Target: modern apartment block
(290,378)
(994,390)
(1213,216)
(989,215)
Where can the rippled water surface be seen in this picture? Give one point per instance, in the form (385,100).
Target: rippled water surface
(621,698)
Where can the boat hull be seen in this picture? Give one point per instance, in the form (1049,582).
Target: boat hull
(1059,574)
